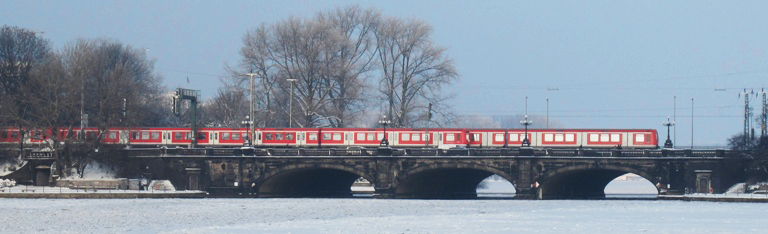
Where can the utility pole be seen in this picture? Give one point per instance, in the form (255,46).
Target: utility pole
(429,119)
(747,116)
(251,117)
(764,116)
(674,106)
(290,108)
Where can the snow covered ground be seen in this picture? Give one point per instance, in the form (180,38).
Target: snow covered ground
(376,216)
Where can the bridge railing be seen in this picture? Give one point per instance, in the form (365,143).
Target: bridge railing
(202,152)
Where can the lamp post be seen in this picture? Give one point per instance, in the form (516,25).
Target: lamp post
(526,122)
(384,141)
(247,122)
(668,144)
(290,108)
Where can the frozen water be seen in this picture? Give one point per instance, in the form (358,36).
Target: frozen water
(376,216)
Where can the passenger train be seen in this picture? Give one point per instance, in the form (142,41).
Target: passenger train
(356,137)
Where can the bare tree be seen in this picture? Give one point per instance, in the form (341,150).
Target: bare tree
(330,57)
(227,109)
(21,51)
(114,84)
(353,63)
(413,71)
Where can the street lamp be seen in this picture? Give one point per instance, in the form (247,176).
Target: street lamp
(384,121)
(247,122)
(668,144)
(290,108)
(526,122)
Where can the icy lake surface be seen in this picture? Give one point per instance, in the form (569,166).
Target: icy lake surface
(377,216)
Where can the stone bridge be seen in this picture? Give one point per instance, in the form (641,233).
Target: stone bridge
(427,173)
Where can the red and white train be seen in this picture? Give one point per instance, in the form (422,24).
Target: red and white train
(362,137)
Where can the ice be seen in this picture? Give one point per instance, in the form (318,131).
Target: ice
(376,216)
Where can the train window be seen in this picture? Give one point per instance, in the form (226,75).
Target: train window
(639,137)
(245,135)
(476,136)
(337,136)
(498,137)
(370,137)
(14,135)
(604,137)
(236,136)
(155,136)
(360,136)
(406,137)
(514,137)
(201,136)
(269,136)
(289,136)
(450,137)
(279,136)
(416,137)
(548,137)
(570,137)
(313,136)
(145,135)
(615,138)
(426,137)
(177,135)
(326,136)
(225,136)
(559,137)
(112,135)
(188,136)
(594,137)
(380,136)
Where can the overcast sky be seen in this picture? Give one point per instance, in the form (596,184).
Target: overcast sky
(602,64)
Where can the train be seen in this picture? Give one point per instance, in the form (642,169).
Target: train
(353,137)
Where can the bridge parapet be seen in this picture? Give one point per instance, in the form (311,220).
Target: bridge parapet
(423,152)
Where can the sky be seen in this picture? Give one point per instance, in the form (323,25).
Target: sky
(601,64)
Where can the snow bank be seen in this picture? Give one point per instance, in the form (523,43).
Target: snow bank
(737,188)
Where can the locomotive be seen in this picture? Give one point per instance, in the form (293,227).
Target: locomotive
(352,137)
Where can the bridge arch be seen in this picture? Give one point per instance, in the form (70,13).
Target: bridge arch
(310,180)
(583,181)
(445,180)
